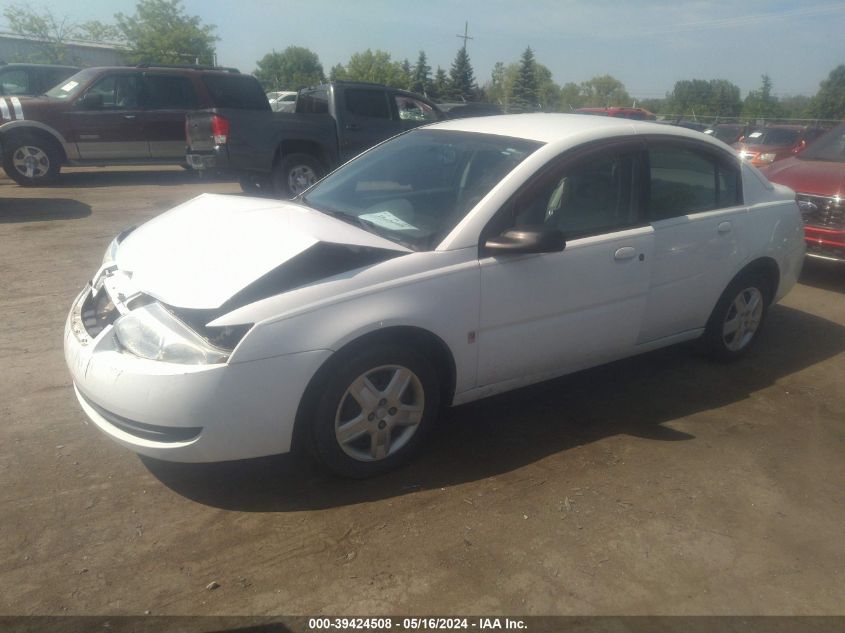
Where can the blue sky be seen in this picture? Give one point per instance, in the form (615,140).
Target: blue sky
(647,44)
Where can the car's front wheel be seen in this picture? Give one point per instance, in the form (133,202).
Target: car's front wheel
(31,160)
(375,408)
(737,318)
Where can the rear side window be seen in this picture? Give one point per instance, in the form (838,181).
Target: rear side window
(411,109)
(313,102)
(684,180)
(14,82)
(371,104)
(170,92)
(236,91)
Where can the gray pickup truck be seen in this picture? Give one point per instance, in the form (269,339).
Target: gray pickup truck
(285,153)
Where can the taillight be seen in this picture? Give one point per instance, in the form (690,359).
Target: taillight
(219,129)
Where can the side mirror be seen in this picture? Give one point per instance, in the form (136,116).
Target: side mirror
(92,101)
(526,239)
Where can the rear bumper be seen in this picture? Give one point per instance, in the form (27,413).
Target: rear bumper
(201,161)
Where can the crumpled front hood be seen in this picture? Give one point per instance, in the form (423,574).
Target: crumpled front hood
(200,254)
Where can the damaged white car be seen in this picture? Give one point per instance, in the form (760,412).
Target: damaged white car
(447,264)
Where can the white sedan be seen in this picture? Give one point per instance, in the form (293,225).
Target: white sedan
(450,263)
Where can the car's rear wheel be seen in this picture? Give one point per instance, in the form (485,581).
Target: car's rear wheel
(296,172)
(375,408)
(738,318)
(31,160)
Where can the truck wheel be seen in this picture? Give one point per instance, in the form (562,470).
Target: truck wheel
(295,173)
(31,160)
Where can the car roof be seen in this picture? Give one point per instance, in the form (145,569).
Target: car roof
(26,65)
(549,128)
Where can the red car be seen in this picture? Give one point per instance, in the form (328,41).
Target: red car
(776,142)
(638,114)
(818,177)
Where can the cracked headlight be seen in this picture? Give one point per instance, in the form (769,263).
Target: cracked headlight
(154,333)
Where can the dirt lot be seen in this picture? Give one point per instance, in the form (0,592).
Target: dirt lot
(663,484)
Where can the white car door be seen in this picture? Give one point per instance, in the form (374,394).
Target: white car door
(550,313)
(695,207)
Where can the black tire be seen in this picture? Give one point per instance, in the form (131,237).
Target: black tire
(254,185)
(385,436)
(294,173)
(719,342)
(45,160)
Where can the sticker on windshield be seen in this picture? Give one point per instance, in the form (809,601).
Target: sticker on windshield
(755,135)
(388,221)
(70,86)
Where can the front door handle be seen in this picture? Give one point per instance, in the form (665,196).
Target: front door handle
(129,117)
(724,227)
(353,126)
(626,252)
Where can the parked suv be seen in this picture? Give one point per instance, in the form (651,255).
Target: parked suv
(19,80)
(115,116)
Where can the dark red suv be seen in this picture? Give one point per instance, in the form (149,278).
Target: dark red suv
(818,177)
(115,116)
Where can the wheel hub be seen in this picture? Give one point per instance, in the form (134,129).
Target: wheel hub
(379,413)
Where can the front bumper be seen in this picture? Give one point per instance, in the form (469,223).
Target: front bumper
(187,413)
(825,243)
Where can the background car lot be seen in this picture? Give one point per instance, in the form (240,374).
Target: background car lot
(660,484)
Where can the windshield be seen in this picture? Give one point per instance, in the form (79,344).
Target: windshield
(773,136)
(416,188)
(829,147)
(73,85)
(726,133)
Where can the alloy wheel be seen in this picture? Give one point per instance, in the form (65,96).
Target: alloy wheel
(742,319)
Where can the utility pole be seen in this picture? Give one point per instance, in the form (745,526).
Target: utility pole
(465,37)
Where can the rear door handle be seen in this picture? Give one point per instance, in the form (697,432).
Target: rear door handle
(129,117)
(724,227)
(353,126)
(626,252)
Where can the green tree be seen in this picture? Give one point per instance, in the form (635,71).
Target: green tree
(797,107)
(829,102)
(710,98)
(421,75)
(405,67)
(440,85)
(496,90)
(376,67)
(570,97)
(524,93)
(462,86)
(161,32)
(603,91)
(337,73)
(761,103)
(294,68)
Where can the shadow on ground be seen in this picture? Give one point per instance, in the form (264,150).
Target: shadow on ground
(111,178)
(40,209)
(478,440)
(824,275)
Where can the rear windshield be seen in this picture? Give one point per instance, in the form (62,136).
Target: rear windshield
(236,91)
(830,147)
(773,136)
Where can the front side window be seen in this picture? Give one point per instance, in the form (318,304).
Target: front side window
(415,188)
(370,104)
(411,109)
(121,92)
(587,196)
(830,147)
(684,180)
